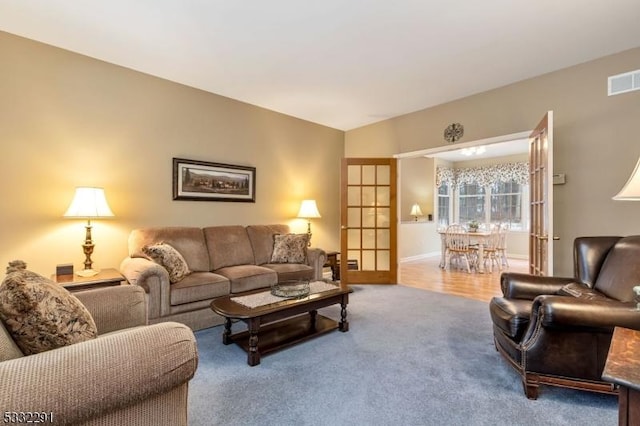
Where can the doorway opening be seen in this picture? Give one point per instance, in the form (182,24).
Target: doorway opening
(419,237)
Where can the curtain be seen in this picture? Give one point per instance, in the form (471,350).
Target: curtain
(484,175)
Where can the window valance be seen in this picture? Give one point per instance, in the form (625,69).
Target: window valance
(484,175)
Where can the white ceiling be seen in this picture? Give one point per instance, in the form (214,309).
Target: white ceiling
(499,149)
(341,63)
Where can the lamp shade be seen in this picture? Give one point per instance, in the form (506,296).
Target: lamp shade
(631,189)
(415,210)
(89,202)
(308,210)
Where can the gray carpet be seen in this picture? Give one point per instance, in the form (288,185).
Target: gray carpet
(411,357)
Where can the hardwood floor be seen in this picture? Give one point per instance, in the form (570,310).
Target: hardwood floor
(426,274)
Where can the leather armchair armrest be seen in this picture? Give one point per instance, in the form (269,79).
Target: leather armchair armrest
(85,380)
(525,286)
(567,311)
(115,308)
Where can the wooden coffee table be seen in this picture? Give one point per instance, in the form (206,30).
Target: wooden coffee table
(281,324)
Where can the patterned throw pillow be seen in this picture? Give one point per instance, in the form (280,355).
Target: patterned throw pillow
(290,248)
(42,315)
(169,258)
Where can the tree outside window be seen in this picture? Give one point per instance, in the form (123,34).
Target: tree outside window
(471,203)
(506,203)
(444,203)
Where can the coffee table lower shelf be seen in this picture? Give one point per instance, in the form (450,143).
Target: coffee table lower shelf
(282,334)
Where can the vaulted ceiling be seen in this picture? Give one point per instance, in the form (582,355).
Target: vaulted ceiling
(340,63)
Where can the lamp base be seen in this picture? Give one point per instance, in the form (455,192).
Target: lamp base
(87,273)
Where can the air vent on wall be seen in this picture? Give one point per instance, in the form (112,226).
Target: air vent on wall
(623,83)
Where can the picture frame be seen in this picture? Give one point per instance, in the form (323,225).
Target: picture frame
(205,181)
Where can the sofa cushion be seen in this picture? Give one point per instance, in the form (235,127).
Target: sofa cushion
(169,258)
(261,237)
(8,348)
(621,270)
(199,286)
(228,246)
(248,277)
(41,315)
(188,241)
(289,248)
(291,271)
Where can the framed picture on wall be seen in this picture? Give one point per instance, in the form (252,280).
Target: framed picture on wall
(203,181)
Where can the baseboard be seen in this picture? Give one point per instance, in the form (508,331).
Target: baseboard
(420,257)
(438,254)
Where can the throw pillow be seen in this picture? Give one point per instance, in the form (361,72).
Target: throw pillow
(41,315)
(169,258)
(290,248)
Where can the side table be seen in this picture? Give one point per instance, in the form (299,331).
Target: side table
(105,278)
(332,262)
(623,368)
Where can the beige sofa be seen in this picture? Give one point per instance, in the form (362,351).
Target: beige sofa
(223,260)
(107,380)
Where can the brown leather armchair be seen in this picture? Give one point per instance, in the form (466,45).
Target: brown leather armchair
(557,331)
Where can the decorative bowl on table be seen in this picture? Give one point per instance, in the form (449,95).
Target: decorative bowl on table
(291,288)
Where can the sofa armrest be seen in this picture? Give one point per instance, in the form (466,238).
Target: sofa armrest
(153,278)
(524,286)
(316,258)
(88,379)
(570,312)
(115,308)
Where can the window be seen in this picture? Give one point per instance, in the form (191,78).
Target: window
(501,202)
(471,203)
(444,205)
(506,203)
(497,193)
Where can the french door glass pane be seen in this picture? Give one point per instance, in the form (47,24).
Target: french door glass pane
(353,196)
(384,175)
(383,196)
(384,242)
(368,196)
(369,217)
(368,239)
(368,260)
(353,239)
(368,175)
(383,260)
(353,219)
(353,173)
(383,217)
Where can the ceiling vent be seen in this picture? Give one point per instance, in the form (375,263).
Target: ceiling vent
(623,83)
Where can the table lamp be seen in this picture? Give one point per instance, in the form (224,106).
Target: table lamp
(415,211)
(631,190)
(88,203)
(308,210)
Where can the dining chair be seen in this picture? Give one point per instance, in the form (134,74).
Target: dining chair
(457,243)
(501,250)
(491,244)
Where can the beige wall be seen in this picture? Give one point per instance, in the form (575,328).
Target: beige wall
(67,120)
(596,142)
(416,186)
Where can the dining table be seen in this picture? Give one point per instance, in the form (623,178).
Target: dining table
(478,238)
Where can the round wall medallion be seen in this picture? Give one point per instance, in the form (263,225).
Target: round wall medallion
(453,132)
